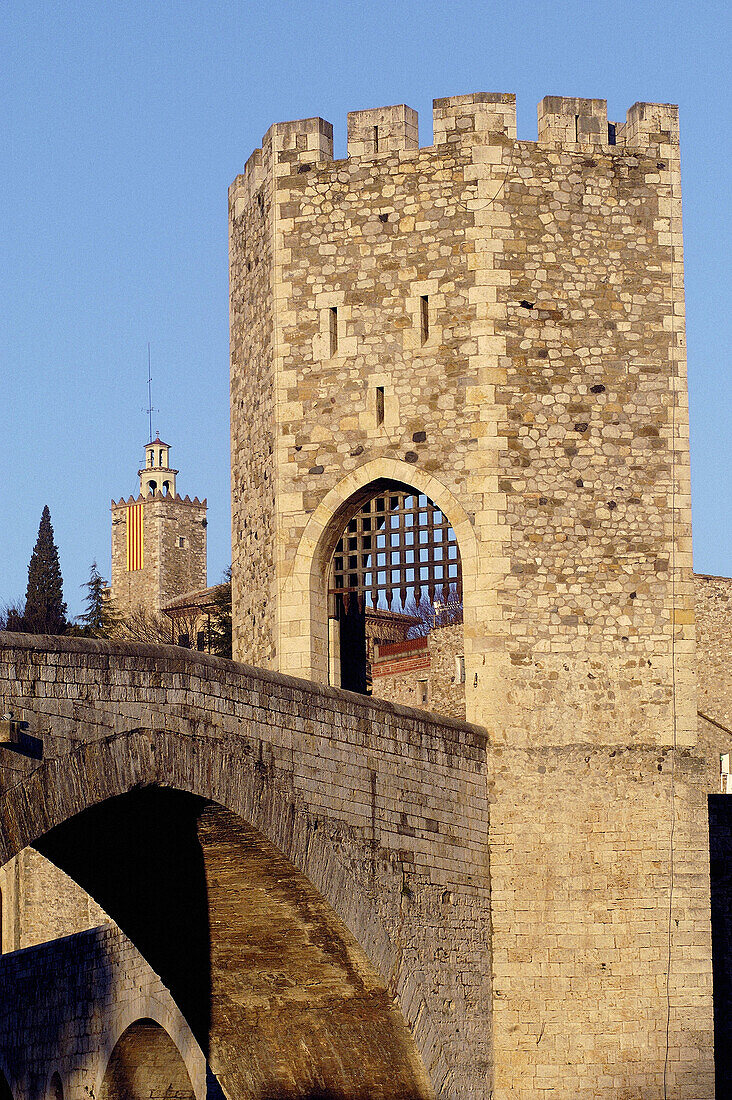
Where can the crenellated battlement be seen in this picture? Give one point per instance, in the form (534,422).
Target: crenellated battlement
(140,499)
(476,119)
(482,118)
(382,130)
(567,121)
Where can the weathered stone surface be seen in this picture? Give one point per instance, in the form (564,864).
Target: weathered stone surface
(550,391)
(67,1004)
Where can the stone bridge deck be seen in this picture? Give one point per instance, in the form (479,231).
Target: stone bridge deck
(382,809)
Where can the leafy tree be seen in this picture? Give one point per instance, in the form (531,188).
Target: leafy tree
(141,625)
(221,640)
(100,618)
(11,617)
(45,610)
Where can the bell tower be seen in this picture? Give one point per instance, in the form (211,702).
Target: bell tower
(158,539)
(156,475)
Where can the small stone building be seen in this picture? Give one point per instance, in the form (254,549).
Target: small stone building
(193,617)
(426,672)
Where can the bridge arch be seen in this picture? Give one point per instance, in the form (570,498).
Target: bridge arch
(145,1064)
(150,1007)
(306,975)
(304,641)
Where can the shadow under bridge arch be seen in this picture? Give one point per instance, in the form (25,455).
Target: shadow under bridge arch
(277,991)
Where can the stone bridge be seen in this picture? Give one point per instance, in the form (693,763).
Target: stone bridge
(306,869)
(79,1006)
(350,899)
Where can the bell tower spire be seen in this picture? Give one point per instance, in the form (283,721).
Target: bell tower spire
(156,475)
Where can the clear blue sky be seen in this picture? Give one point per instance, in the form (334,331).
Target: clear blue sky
(123,125)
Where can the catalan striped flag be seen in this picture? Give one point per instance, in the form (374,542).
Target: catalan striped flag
(135,539)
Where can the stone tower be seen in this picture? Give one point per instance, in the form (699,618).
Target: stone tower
(498,324)
(158,539)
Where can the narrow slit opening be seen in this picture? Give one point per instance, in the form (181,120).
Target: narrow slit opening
(379,404)
(424,317)
(333,329)
(376,139)
(576,127)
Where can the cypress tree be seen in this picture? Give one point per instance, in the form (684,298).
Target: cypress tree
(100,617)
(45,610)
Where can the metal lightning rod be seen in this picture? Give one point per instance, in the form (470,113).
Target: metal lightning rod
(149,390)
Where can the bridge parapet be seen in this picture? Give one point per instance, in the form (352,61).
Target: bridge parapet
(383,809)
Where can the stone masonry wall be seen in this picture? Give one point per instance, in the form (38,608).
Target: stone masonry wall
(545,406)
(445,694)
(169,570)
(253,470)
(64,1005)
(595,463)
(588,850)
(713,617)
(41,903)
(600,888)
(714,627)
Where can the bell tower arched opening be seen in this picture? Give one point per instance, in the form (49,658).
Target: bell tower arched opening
(157,460)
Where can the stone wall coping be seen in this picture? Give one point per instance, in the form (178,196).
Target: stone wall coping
(53,947)
(50,643)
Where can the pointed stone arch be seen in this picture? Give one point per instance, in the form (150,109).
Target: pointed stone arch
(147,1004)
(303,626)
(145,1064)
(380,1047)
